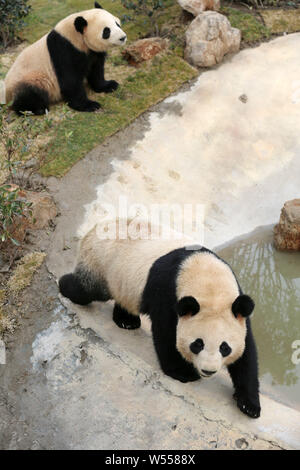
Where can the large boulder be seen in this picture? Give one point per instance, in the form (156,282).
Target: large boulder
(199,6)
(209,37)
(287,231)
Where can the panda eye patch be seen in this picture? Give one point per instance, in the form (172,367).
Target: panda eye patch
(106,33)
(225,349)
(197,346)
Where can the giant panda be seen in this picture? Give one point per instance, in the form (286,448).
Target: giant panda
(199,314)
(56,66)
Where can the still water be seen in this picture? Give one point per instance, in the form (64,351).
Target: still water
(272,278)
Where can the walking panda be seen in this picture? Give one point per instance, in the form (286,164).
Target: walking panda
(199,314)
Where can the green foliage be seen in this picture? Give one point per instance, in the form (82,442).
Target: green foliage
(148,8)
(12,14)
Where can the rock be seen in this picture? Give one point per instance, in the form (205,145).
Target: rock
(209,37)
(144,49)
(42,209)
(287,231)
(199,6)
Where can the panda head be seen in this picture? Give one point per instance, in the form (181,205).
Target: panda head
(100,29)
(210,341)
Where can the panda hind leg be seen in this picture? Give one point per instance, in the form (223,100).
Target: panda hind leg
(30,98)
(82,288)
(124,319)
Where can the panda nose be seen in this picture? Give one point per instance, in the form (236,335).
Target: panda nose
(208,372)
(123,38)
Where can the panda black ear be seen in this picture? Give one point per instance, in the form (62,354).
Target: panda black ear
(80,23)
(98,6)
(243,305)
(187,305)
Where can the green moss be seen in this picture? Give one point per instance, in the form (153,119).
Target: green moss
(252,29)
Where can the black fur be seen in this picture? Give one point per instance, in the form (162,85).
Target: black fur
(124,319)
(81,287)
(30,98)
(97,5)
(72,67)
(187,305)
(160,303)
(243,305)
(197,346)
(96,74)
(80,23)
(244,375)
(106,33)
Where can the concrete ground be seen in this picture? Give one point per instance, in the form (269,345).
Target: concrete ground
(73,379)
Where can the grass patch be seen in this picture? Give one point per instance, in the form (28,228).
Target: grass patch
(74,134)
(252,29)
(281,21)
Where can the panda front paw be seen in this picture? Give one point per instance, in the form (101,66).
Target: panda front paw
(88,106)
(110,86)
(91,106)
(248,406)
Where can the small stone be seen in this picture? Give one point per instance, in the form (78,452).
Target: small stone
(243,98)
(287,231)
(242,443)
(199,6)
(210,37)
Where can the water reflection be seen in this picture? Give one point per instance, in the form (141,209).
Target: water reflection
(273,279)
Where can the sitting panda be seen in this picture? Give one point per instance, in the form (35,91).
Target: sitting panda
(199,315)
(55,67)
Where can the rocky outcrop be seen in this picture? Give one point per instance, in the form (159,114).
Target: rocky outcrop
(144,49)
(209,38)
(199,6)
(287,231)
